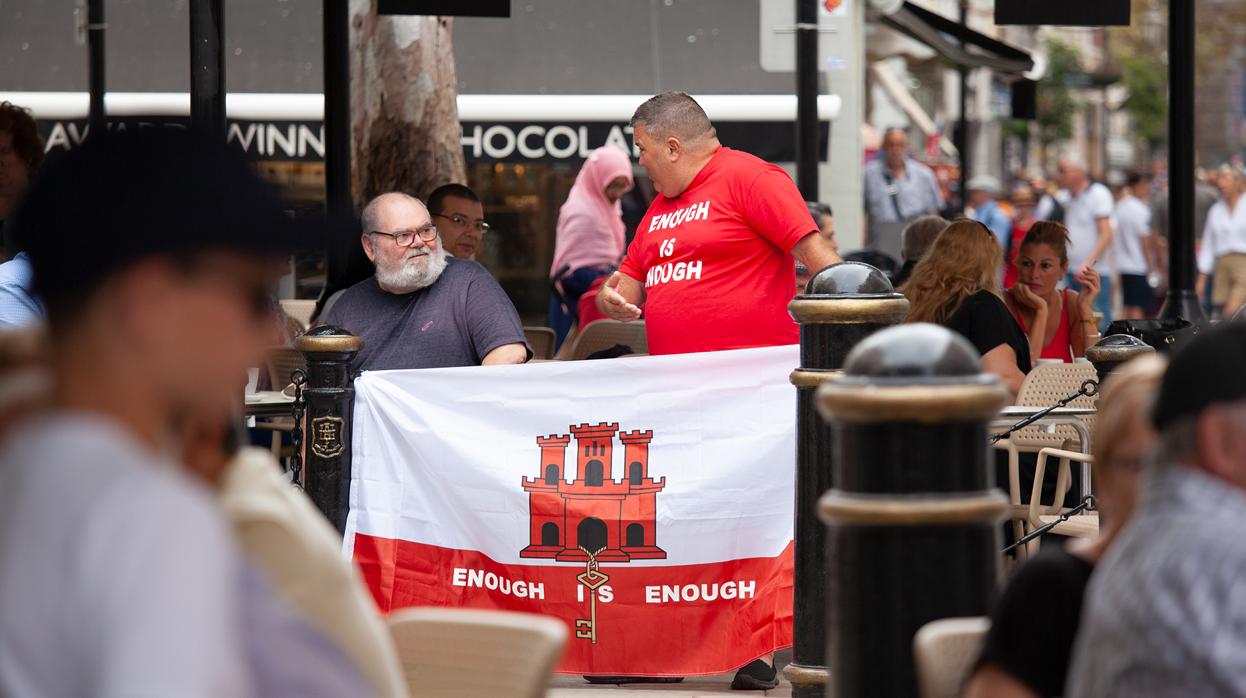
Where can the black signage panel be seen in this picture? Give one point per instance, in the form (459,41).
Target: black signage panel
(445,8)
(1071,13)
(517,142)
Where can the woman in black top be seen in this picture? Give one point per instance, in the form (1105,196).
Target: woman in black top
(1028,649)
(957,285)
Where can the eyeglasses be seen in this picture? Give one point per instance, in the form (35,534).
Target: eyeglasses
(405,238)
(461,221)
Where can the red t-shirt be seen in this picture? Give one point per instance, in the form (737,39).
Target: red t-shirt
(716,260)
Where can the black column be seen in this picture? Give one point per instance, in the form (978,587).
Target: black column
(207,66)
(844,304)
(95,64)
(1114,350)
(330,396)
(1182,302)
(912,518)
(807,98)
(336,37)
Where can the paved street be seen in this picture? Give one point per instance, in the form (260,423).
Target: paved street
(720,685)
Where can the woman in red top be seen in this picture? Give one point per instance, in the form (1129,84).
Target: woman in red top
(1059,322)
(1023,203)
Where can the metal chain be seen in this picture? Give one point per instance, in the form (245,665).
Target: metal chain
(1089,388)
(299,379)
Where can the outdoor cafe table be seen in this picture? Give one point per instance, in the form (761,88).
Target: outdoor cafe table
(268,403)
(1061,416)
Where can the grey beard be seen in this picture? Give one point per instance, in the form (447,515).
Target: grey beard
(408,279)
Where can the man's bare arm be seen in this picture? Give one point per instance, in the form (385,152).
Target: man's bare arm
(815,253)
(506,354)
(1102,244)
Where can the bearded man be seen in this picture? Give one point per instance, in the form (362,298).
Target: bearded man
(423,308)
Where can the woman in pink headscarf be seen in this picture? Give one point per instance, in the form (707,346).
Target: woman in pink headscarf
(591,235)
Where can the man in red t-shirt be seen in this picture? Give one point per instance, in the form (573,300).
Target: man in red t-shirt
(712,259)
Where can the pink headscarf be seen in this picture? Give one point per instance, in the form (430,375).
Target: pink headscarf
(590,226)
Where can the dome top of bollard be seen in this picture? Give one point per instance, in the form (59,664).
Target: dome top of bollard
(327,338)
(917,372)
(1117,347)
(918,350)
(850,279)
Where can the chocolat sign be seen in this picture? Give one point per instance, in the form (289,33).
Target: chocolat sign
(516,142)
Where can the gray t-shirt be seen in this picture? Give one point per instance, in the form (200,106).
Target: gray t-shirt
(457,321)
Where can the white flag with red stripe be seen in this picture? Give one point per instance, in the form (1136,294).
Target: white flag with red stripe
(647,502)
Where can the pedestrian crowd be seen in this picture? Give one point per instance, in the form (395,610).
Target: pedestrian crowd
(144,551)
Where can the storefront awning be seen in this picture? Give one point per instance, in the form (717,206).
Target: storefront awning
(945,37)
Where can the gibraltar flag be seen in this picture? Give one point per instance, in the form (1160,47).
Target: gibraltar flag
(646,502)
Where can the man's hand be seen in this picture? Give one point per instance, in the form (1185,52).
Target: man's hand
(612,299)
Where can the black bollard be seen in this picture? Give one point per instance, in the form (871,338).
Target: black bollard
(842,305)
(330,396)
(1114,350)
(913,518)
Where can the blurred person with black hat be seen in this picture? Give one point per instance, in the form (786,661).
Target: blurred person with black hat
(154,257)
(1166,610)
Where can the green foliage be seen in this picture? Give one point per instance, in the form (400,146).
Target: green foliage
(1146,79)
(1056,106)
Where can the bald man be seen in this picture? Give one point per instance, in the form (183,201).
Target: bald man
(423,308)
(712,262)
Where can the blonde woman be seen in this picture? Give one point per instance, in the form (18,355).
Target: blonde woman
(1026,653)
(957,285)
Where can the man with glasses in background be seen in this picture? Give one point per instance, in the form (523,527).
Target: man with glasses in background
(460,217)
(423,308)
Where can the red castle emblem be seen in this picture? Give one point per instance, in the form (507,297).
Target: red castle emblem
(593,510)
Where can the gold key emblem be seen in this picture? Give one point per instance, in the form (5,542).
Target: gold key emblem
(592,578)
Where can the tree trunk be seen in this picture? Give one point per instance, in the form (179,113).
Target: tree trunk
(404,116)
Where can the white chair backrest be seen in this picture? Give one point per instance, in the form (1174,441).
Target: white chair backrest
(542,340)
(281,362)
(944,652)
(300,310)
(603,334)
(466,652)
(1043,386)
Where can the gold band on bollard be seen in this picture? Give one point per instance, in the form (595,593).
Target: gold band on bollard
(328,343)
(799,675)
(856,402)
(812,378)
(848,311)
(845,509)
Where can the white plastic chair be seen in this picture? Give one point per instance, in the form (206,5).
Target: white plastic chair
(944,652)
(466,652)
(1038,514)
(1044,386)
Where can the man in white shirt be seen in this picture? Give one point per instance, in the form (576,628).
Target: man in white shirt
(1088,208)
(120,576)
(1223,250)
(1132,247)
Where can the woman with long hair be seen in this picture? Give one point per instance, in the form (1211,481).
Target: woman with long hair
(1060,323)
(957,285)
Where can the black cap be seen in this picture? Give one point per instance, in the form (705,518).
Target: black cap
(1206,371)
(144,191)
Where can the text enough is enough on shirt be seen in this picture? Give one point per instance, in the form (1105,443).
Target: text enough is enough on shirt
(716,260)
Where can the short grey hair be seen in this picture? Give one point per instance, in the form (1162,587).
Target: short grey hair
(371,212)
(1075,161)
(674,114)
(919,235)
